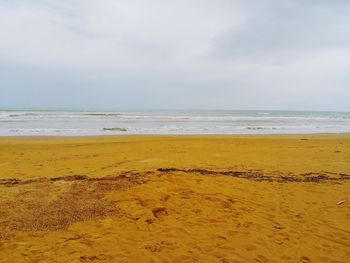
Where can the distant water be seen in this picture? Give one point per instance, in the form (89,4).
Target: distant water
(17,123)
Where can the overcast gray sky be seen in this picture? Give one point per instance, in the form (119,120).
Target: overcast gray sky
(183,54)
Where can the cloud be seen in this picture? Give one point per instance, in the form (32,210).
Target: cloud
(107,33)
(288,30)
(179,54)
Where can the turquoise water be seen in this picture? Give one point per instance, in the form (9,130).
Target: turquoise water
(19,122)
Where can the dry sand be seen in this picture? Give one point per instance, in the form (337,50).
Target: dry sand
(175,199)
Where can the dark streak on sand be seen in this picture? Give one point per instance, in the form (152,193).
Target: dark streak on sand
(68,178)
(255,175)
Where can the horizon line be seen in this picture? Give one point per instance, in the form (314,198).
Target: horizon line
(155,109)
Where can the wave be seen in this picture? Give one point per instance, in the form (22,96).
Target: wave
(174,122)
(115,129)
(103,114)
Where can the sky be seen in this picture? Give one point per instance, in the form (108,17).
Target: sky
(183,54)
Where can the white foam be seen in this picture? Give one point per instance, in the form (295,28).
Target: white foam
(19,123)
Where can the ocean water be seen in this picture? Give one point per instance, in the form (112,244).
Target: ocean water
(77,123)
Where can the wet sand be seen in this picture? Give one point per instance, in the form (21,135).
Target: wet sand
(175,199)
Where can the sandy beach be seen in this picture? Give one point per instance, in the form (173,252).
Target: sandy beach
(175,199)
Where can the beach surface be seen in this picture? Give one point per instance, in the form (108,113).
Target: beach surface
(267,198)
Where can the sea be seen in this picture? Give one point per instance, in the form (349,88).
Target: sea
(83,123)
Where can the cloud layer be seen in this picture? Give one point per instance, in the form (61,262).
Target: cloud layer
(181,54)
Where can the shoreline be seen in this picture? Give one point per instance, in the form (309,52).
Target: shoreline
(180,135)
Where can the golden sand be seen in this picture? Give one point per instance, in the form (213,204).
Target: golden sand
(175,199)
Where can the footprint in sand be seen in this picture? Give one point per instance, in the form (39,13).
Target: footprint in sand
(165,198)
(157,247)
(159,212)
(279,241)
(250,247)
(227,203)
(261,259)
(153,248)
(197,211)
(247,224)
(277,226)
(187,194)
(76,237)
(92,258)
(304,260)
